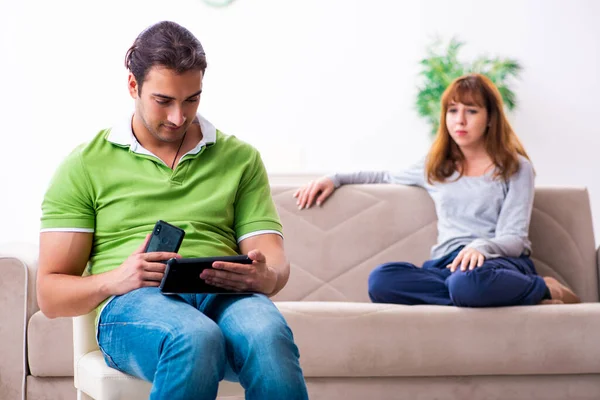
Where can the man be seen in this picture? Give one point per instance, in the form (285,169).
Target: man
(167,162)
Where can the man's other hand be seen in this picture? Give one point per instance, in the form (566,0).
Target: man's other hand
(255,277)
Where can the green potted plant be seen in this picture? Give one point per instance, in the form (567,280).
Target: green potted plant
(218,3)
(442,66)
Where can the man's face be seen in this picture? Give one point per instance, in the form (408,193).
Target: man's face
(168,102)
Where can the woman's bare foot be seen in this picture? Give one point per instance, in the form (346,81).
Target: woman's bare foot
(560,292)
(550,301)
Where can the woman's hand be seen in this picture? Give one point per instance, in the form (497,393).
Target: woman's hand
(467,258)
(306,195)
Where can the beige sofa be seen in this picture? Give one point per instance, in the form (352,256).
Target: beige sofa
(353,349)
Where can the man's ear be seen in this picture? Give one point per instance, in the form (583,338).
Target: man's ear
(132,85)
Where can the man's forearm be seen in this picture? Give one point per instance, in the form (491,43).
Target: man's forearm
(281,267)
(61,295)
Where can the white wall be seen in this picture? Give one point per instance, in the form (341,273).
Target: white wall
(316,85)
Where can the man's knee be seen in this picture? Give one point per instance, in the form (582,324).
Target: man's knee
(199,342)
(264,354)
(272,363)
(263,344)
(270,336)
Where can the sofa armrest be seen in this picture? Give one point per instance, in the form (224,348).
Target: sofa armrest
(18,267)
(598,266)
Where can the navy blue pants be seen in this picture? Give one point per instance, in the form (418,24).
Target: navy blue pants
(504,281)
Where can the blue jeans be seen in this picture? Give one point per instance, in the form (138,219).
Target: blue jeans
(186,344)
(503,281)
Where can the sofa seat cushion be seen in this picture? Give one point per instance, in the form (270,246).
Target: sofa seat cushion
(341,339)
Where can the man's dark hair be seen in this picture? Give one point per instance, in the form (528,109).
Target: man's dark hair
(165,44)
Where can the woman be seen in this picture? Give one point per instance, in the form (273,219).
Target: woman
(482,183)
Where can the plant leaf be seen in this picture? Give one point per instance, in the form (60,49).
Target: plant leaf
(442,66)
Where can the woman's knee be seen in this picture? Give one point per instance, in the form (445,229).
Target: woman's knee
(383,281)
(466,289)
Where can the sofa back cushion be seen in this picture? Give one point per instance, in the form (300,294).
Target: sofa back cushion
(333,248)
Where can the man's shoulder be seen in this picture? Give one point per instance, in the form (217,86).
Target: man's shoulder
(234,145)
(90,148)
(222,142)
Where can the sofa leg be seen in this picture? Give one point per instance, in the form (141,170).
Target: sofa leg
(83,396)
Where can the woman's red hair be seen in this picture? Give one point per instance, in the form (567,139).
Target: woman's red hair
(501,142)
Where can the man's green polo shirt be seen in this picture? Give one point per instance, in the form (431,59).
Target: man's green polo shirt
(219,194)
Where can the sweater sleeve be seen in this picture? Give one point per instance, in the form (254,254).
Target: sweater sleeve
(512,230)
(413,175)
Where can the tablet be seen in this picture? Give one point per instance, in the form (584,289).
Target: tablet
(183,275)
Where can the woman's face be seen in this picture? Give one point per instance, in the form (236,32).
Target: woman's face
(466,124)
